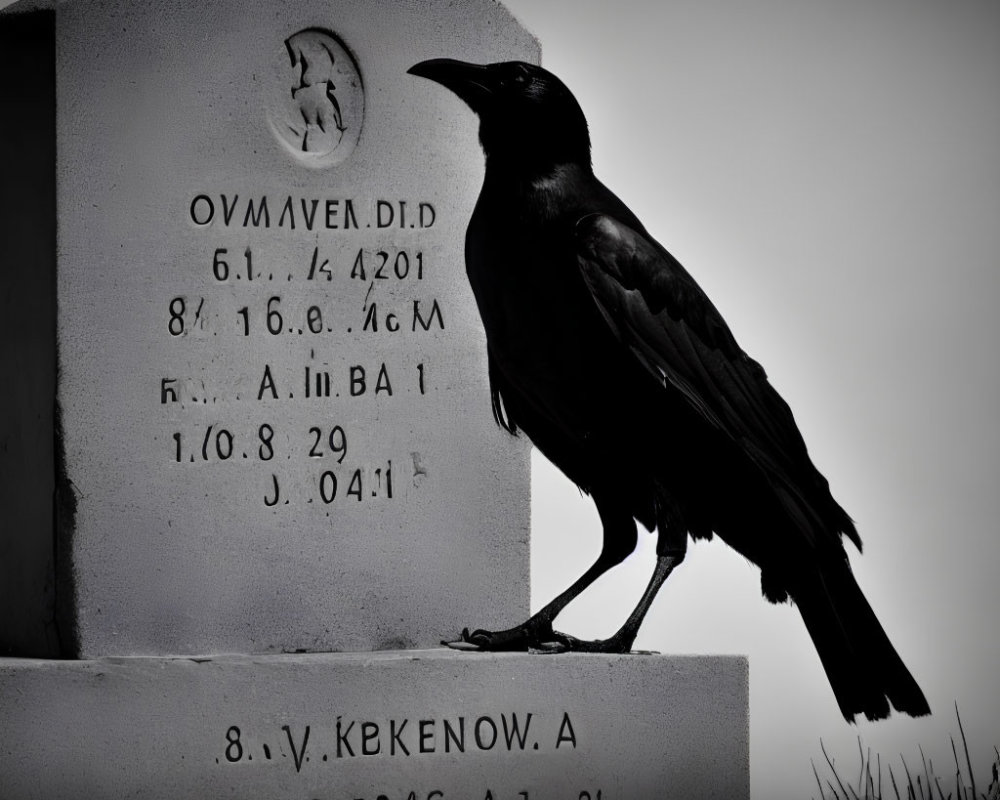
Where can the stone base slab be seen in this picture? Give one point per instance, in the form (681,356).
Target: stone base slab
(402,725)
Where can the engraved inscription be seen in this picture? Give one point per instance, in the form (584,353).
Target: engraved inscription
(345,738)
(319,746)
(317,109)
(315,287)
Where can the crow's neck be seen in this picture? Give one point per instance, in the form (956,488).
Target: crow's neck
(536,198)
(532,151)
(533,169)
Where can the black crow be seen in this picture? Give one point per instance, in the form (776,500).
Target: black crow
(608,355)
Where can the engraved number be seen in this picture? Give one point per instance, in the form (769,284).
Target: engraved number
(322,268)
(314,319)
(327,487)
(402,265)
(337,440)
(223,444)
(220,267)
(176,324)
(234,750)
(265,433)
(273,317)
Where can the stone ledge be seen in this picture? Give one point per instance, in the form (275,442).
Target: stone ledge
(427,724)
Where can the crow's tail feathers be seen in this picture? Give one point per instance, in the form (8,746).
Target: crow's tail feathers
(865,671)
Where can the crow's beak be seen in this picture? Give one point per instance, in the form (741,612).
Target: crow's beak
(471,82)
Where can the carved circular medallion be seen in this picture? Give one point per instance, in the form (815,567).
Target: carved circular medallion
(317,111)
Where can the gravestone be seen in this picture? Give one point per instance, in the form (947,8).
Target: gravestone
(416,725)
(272,376)
(238,228)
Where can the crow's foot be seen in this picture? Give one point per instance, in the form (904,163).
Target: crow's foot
(530,636)
(538,638)
(570,644)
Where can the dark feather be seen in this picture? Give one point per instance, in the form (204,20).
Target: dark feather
(655,308)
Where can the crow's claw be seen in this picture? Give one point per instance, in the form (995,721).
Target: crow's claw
(480,637)
(548,648)
(464,642)
(461,644)
(541,640)
(523,638)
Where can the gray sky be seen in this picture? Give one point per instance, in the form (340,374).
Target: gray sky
(830,173)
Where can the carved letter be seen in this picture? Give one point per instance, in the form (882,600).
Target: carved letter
(357,381)
(380,220)
(167,391)
(358,270)
(227,210)
(277,493)
(394,739)
(382,384)
(479,737)
(255,215)
(566,733)
(342,739)
(369,731)
(426,735)
(332,209)
(206,217)
(267,382)
(310,216)
(513,732)
(297,755)
(289,210)
(350,221)
(424,222)
(435,312)
(449,736)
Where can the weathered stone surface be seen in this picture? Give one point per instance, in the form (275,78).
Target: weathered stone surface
(433,724)
(276,421)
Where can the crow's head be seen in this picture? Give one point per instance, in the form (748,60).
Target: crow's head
(528,118)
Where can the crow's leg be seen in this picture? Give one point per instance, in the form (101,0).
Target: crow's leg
(670,550)
(620,538)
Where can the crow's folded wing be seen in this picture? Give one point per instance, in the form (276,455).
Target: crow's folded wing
(657,310)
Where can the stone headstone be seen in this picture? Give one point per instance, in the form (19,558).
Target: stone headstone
(275,433)
(427,725)
(271,431)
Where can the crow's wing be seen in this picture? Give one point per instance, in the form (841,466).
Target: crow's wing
(657,310)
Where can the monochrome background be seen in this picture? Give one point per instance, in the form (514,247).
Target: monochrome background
(829,171)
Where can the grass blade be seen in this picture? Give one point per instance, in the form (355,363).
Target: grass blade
(893,779)
(832,769)
(965,744)
(861,773)
(822,794)
(927,772)
(959,788)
